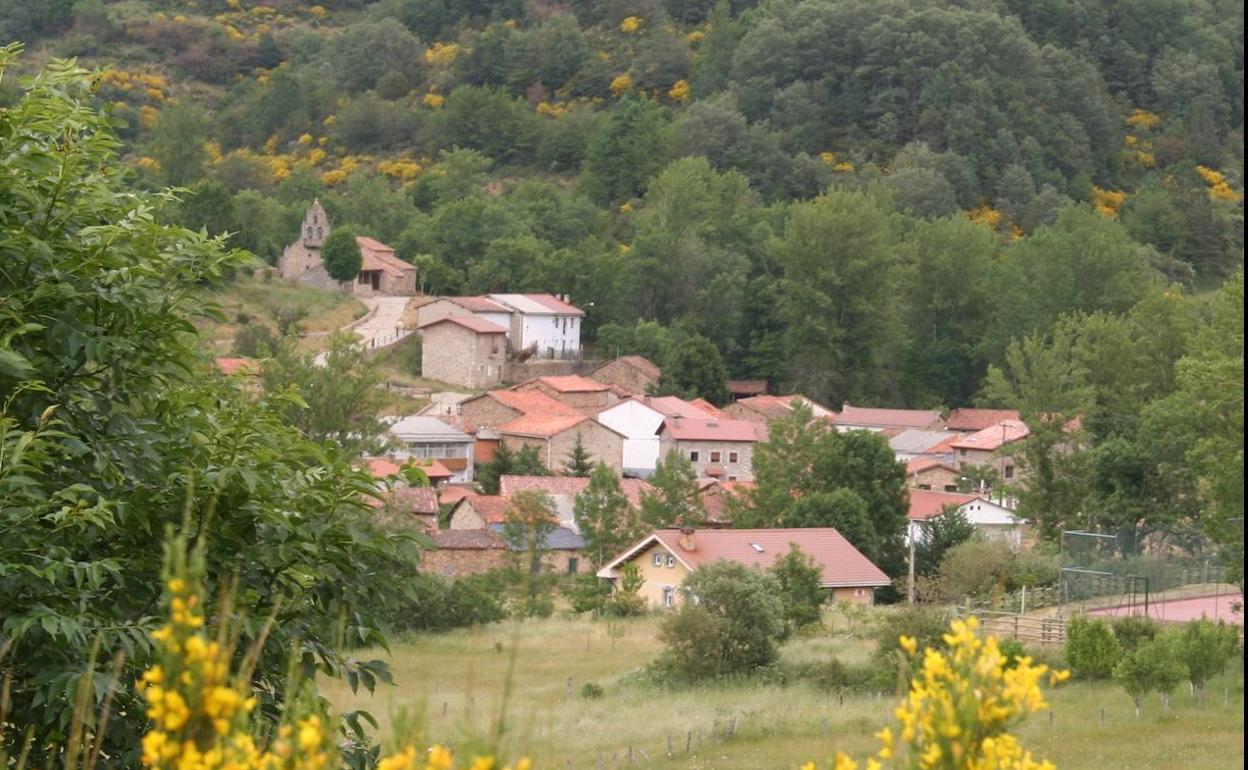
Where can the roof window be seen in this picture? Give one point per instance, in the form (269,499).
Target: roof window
(757,548)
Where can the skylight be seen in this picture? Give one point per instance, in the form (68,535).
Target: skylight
(757,548)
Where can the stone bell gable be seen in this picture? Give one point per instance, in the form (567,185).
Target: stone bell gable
(301,261)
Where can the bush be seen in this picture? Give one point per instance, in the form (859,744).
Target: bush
(626,600)
(1134,630)
(1205,648)
(1092,650)
(586,593)
(728,623)
(975,568)
(438,604)
(591,691)
(1012,649)
(1155,665)
(927,625)
(255,341)
(801,595)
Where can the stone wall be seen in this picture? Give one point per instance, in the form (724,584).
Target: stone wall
(452,354)
(624,375)
(717,453)
(461,562)
(486,412)
(520,371)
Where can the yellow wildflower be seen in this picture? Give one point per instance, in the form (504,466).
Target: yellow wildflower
(631,24)
(305,139)
(679,92)
(434,101)
(621,83)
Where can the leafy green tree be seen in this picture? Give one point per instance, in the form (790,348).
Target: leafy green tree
(603,515)
(625,151)
(676,497)
(528,524)
(114,431)
(975,568)
(1155,665)
(626,600)
(940,533)
(728,623)
(178,142)
(334,398)
(509,462)
(802,595)
(1205,648)
(1092,650)
(341,255)
(695,369)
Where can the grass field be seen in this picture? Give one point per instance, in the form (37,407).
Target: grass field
(259,302)
(451,685)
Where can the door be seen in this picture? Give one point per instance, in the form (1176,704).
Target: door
(376,276)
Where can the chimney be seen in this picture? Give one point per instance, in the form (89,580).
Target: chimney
(687,540)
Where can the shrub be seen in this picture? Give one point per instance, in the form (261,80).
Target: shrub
(1205,648)
(1013,650)
(975,568)
(1134,630)
(1155,665)
(255,341)
(586,593)
(591,691)
(728,623)
(626,600)
(341,255)
(801,595)
(1092,650)
(925,624)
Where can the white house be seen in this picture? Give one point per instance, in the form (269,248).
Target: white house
(640,425)
(429,438)
(993,520)
(544,323)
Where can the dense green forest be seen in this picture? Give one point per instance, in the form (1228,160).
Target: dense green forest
(863,200)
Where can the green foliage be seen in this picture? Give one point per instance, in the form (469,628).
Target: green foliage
(976,568)
(529,521)
(331,397)
(113,431)
(509,462)
(676,497)
(341,255)
(695,369)
(1155,666)
(255,341)
(438,604)
(1092,650)
(1135,630)
(802,596)
(728,623)
(591,691)
(626,600)
(927,625)
(603,515)
(1205,647)
(950,529)
(586,593)
(580,461)
(625,151)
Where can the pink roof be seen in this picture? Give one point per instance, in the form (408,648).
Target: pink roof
(478,304)
(470,322)
(926,503)
(381,467)
(920,464)
(375,255)
(541,424)
(555,304)
(888,418)
(573,383)
(702,429)
(709,408)
(237,366)
(492,508)
(531,401)
(978,419)
(671,406)
(567,485)
(418,500)
(993,438)
(842,564)
(432,468)
(452,493)
(770,407)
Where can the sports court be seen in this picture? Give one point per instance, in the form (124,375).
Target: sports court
(1228,607)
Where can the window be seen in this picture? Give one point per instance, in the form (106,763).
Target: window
(669,596)
(715,457)
(949,487)
(925,486)
(731,477)
(671,560)
(320,232)
(573,564)
(1009,471)
(694,456)
(859,592)
(732,457)
(657,559)
(961,453)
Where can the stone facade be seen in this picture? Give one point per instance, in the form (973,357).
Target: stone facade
(301,261)
(459,562)
(602,443)
(461,356)
(381,271)
(631,373)
(485,411)
(725,460)
(940,478)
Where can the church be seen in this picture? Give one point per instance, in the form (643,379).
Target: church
(381,272)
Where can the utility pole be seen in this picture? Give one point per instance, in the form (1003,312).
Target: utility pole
(910,590)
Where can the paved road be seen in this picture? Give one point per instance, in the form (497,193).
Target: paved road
(382,325)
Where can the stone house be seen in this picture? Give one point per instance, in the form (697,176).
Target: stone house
(463,350)
(634,374)
(478,511)
(932,473)
(555,435)
(462,552)
(719,449)
(991,519)
(447,307)
(665,557)
(765,408)
(563,491)
(581,393)
(543,325)
(989,448)
(381,272)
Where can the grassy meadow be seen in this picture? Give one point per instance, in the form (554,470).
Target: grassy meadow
(451,687)
(259,302)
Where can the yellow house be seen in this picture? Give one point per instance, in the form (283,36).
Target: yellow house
(665,557)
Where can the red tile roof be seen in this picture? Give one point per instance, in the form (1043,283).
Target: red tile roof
(540,424)
(887,418)
(555,304)
(230,366)
(492,508)
(418,500)
(567,485)
(432,468)
(978,419)
(573,383)
(926,503)
(531,401)
(453,493)
(709,408)
(381,467)
(702,429)
(467,540)
(771,407)
(470,322)
(672,406)
(375,255)
(920,464)
(993,438)
(478,304)
(842,564)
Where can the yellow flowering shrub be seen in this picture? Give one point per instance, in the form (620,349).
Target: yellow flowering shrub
(984,214)
(442,53)
(1144,119)
(631,24)
(828,157)
(148,164)
(202,714)
(305,139)
(1107,202)
(679,92)
(696,36)
(621,83)
(148,115)
(402,169)
(434,101)
(1219,188)
(962,704)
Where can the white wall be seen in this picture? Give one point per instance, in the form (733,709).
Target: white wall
(639,424)
(562,333)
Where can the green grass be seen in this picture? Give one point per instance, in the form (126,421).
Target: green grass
(451,685)
(259,302)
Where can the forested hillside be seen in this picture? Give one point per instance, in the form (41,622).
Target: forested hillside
(865,200)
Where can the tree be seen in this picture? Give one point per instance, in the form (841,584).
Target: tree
(178,142)
(625,151)
(1155,665)
(1205,648)
(626,599)
(696,369)
(528,524)
(336,399)
(1092,650)
(975,568)
(802,595)
(603,515)
(580,462)
(509,462)
(341,255)
(728,623)
(113,431)
(676,498)
(941,533)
